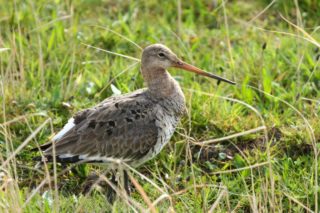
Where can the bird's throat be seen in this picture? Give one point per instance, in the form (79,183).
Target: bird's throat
(161,83)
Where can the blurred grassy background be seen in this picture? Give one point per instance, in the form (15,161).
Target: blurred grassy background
(48,73)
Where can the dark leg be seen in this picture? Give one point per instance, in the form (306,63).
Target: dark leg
(126,181)
(111,193)
(89,183)
(93,179)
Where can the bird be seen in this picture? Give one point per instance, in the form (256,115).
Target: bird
(131,128)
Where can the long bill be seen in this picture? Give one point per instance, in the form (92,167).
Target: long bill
(191,68)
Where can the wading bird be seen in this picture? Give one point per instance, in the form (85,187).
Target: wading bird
(130,128)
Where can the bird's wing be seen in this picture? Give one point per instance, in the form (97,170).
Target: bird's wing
(118,128)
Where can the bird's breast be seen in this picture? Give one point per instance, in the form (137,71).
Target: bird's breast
(166,124)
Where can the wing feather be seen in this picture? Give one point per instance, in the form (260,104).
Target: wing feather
(121,127)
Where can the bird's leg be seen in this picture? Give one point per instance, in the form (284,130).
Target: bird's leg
(123,180)
(94,180)
(90,182)
(111,193)
(126,181)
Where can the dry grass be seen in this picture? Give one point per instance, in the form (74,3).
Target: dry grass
(45,59)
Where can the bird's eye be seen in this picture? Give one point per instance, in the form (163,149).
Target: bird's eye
(161,55)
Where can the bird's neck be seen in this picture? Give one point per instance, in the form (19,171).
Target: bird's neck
(160,83)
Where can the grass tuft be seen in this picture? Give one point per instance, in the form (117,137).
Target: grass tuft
(249,148)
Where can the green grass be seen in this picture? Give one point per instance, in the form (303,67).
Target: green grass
(47,74)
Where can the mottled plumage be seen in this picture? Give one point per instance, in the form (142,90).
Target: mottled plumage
(133,127)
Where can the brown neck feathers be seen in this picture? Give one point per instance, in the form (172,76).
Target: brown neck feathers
(160,82)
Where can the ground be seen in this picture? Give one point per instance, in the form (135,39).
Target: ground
(253,147)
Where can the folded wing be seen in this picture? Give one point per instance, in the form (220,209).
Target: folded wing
(118,128)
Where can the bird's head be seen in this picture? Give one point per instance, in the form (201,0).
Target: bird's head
(158,56)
